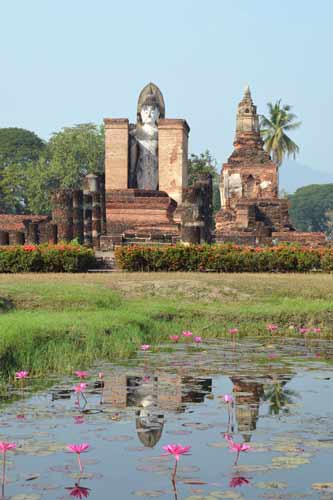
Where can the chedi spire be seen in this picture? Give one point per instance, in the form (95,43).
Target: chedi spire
(247,119)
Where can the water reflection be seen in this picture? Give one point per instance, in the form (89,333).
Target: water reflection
(78,491)
(247,394)
(152,395)
(279,397)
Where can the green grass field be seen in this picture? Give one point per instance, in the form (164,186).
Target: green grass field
(57,323)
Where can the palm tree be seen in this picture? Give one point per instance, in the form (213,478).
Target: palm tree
(273,130)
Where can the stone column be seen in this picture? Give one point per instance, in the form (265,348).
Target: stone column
(4,238)
(32,237)
(52,233)
(16,238)
(62,213)
(116,153)
(87,219)
(78,215)
(96,220)
(173,157)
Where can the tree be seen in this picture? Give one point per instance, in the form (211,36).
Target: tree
(19,148)
(205,164)
(71,154)
(273,130)
(75,152)
(311,208)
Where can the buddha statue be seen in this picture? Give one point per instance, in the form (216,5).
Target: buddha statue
(143,164)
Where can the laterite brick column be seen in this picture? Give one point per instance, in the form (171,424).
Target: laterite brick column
(116,153)
(173,157)
(78,215)
(62,213)
(32,233)
(4,238)
(87,219)
(16,238)
(96,220)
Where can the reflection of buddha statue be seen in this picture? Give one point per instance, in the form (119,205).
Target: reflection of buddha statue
(247,397)
(149,427)
(143,167)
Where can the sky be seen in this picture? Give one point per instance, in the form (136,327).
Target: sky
(66,62)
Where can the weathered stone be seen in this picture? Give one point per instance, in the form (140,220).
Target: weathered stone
(62,213)
(4,238)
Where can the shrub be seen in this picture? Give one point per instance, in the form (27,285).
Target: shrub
(61,258)
(224,258)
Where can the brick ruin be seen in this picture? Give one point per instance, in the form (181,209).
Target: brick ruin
(123,205)
(251,211)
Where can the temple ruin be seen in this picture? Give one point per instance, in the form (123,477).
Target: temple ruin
(144,197)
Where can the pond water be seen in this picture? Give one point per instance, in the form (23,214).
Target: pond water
(283,409)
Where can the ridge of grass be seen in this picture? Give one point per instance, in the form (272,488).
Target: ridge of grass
(58,323)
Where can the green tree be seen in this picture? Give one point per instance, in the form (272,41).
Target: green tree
(311,207)
(19,149)
(205,164)
(71,154)
(273,130)
(75,152)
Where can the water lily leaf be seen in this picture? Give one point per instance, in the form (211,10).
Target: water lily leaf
(25,496)
(271,485)
(150,494)
(323,486)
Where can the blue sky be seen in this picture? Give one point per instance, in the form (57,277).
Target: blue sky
(76,61)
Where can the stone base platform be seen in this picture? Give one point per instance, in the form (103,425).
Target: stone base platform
(135,215)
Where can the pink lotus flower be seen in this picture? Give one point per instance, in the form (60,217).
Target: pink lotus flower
(79,419)
(101,375)
(5,446)
(174,338)
(187,333)
(21,375)
(81,374)
(78,491)
(78,449)
(304,330)
(233,331)
(145,347)
(227,398)
(197,339)
(237,447)
(316,330)
(176,450)
(272,328)
(238,481)
(80,387)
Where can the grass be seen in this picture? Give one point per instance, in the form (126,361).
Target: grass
(58,323)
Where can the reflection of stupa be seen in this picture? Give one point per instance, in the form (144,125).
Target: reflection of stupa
(247,395)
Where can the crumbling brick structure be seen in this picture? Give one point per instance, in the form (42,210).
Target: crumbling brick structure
(251,211)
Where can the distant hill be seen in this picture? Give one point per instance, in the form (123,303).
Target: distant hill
(293,175)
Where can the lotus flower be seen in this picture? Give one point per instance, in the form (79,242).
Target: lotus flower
(238,481)
(81,374)
(187,333)
(272,328)
(4,447)
(228,398)
(197,339)
(80,387)
(233,331)
(145,347)
(237,447)
(21,375)
(304,330)
(78,449)
(174,338)
(176,450)
(316,330)
(78,491)
(101,375)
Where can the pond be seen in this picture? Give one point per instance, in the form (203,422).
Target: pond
(281,408)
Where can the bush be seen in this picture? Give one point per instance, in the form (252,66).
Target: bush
(224,258)
(61,258)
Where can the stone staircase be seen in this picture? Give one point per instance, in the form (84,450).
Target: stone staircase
(106,263)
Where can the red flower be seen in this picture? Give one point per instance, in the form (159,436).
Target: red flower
(78,491)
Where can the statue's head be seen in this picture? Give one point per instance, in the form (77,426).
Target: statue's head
(150,110)
(150,105)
